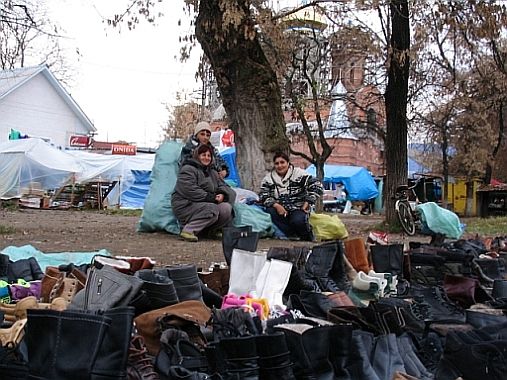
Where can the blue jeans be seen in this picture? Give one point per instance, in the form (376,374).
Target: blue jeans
(296,223)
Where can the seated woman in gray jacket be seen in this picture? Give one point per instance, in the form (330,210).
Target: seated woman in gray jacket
(201,201)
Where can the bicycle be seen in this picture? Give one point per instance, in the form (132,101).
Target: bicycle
(407,215)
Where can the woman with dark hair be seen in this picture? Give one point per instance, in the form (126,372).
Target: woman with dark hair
(288,193)
(201,200)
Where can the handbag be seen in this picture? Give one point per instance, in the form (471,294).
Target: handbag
(243,238)
(106,288)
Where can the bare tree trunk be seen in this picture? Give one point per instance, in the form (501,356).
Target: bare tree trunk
(396,104)
(445,166)
(501,131)
(248,87)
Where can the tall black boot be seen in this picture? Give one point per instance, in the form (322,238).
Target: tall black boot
(159,288)
(387,258)
(4,266)
(274,357)
(339,350)
(319,265)
(338,272)
(186,281)
(111,362)
(63,345)
(240,358)
(309,348)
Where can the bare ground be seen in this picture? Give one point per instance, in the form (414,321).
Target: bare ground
(85,231)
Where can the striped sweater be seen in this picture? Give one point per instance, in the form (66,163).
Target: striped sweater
(291,191)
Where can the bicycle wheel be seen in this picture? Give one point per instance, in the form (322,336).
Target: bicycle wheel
(406,218)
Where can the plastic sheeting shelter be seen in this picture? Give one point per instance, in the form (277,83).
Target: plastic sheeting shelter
(358,182)
(23,162)
(229,155)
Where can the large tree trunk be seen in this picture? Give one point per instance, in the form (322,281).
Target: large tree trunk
(247,84)
(396,104)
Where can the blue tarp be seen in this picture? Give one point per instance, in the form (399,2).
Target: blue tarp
(358,182)
(229,155)
(136,194)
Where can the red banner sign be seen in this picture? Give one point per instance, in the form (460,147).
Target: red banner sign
(127,150)
(81,141)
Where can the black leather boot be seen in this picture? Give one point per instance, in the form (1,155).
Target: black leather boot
(309,348)
(63,345)
(111,362)
(159,288)
(13,365)
(240,358)
(339,350)
(387,258)
(338,272)
(186,281)
(319,265)
(274,357)
(4,266)
(468,357)
(238,237)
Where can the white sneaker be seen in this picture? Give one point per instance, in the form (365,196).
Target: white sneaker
(387,277)
(378,237)
(367,283)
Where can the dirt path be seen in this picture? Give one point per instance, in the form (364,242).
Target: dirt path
(85,231)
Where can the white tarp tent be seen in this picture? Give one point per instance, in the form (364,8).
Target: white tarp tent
(26,161)
(112,168)
(23,162)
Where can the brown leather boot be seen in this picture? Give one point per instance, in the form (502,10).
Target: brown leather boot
(139,364)
(17,311)
(13,335)
(357,255)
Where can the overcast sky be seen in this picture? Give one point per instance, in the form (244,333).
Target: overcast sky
(124,79)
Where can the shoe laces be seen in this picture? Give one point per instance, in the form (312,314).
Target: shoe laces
(138,358)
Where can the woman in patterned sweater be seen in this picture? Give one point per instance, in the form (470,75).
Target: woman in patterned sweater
(288,193)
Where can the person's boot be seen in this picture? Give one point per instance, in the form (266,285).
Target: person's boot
(63,345)
(139,363)
(357,256)
(319,264)
(186,281)
(111,362)
(159,288)
(274,357)
(309,348)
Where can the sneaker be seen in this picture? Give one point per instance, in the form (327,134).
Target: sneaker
(188,236)
(378,237)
